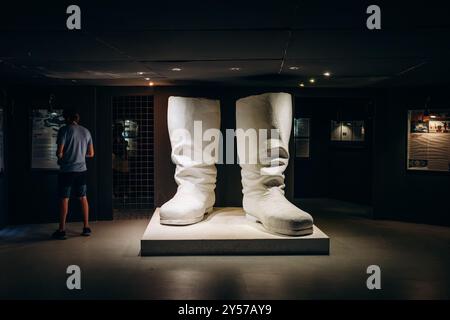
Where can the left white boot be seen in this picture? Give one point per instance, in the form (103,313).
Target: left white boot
(263,181)
(194,174)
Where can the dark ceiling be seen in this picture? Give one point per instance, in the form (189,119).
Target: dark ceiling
(207,38)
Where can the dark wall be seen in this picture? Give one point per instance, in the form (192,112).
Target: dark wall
(336,170)
(3,178)
(3,201)
(400,194)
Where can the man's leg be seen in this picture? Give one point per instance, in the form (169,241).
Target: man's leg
(85,211)
(81,190)
(63,209)
(64,191)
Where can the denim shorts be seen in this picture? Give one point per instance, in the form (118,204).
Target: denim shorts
(72,183)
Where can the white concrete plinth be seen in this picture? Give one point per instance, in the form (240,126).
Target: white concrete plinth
(226,231)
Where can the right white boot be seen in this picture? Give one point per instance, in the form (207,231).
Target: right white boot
(263,175)
(195,176)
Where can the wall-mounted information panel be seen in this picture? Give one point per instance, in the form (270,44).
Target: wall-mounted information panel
(429,140)
(45,126)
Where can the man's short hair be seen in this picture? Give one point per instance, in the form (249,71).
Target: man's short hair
(71,115)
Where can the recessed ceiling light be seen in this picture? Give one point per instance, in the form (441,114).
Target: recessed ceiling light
(312,80)
(235,68)
(140,73)
(302,84)
(433,116)
(147,79)
(327,74)
(151,84)
(294,68)
(176,69)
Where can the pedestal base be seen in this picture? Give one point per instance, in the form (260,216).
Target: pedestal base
(226,231)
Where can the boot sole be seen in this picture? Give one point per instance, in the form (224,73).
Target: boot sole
(185,222)
(301,232)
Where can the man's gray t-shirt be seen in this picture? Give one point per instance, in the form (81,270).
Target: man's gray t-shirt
(76,140)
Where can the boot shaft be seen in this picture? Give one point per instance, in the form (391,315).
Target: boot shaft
(271,112)
(188,119)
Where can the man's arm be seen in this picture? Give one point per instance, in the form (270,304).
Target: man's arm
(90,146)
(90,152)
(60,151)
(60,140)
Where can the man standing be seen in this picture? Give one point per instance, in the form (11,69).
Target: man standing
(74,146)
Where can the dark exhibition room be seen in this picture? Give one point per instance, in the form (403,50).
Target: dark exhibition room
(223,151)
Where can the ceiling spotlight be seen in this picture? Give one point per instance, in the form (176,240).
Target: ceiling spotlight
(147,79)
(151,84)
(176,69)
(140,73)
(312,80)
(235,68)
(294,68)
(327,74)
(302,84)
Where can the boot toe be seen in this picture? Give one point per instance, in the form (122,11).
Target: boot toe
(176,214)
(290,224)
(300,222)
(280,216)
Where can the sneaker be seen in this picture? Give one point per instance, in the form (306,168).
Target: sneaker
(60,235)
(86,232)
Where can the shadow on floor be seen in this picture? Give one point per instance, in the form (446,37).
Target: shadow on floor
(328,207)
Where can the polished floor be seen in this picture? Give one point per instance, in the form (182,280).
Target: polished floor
(414,261)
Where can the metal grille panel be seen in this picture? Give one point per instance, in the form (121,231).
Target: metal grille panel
(133,179)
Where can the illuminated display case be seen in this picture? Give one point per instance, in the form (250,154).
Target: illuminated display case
(347,131)
(428,140)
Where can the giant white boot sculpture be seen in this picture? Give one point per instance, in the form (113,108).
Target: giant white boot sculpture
(195,175)
(263,179)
